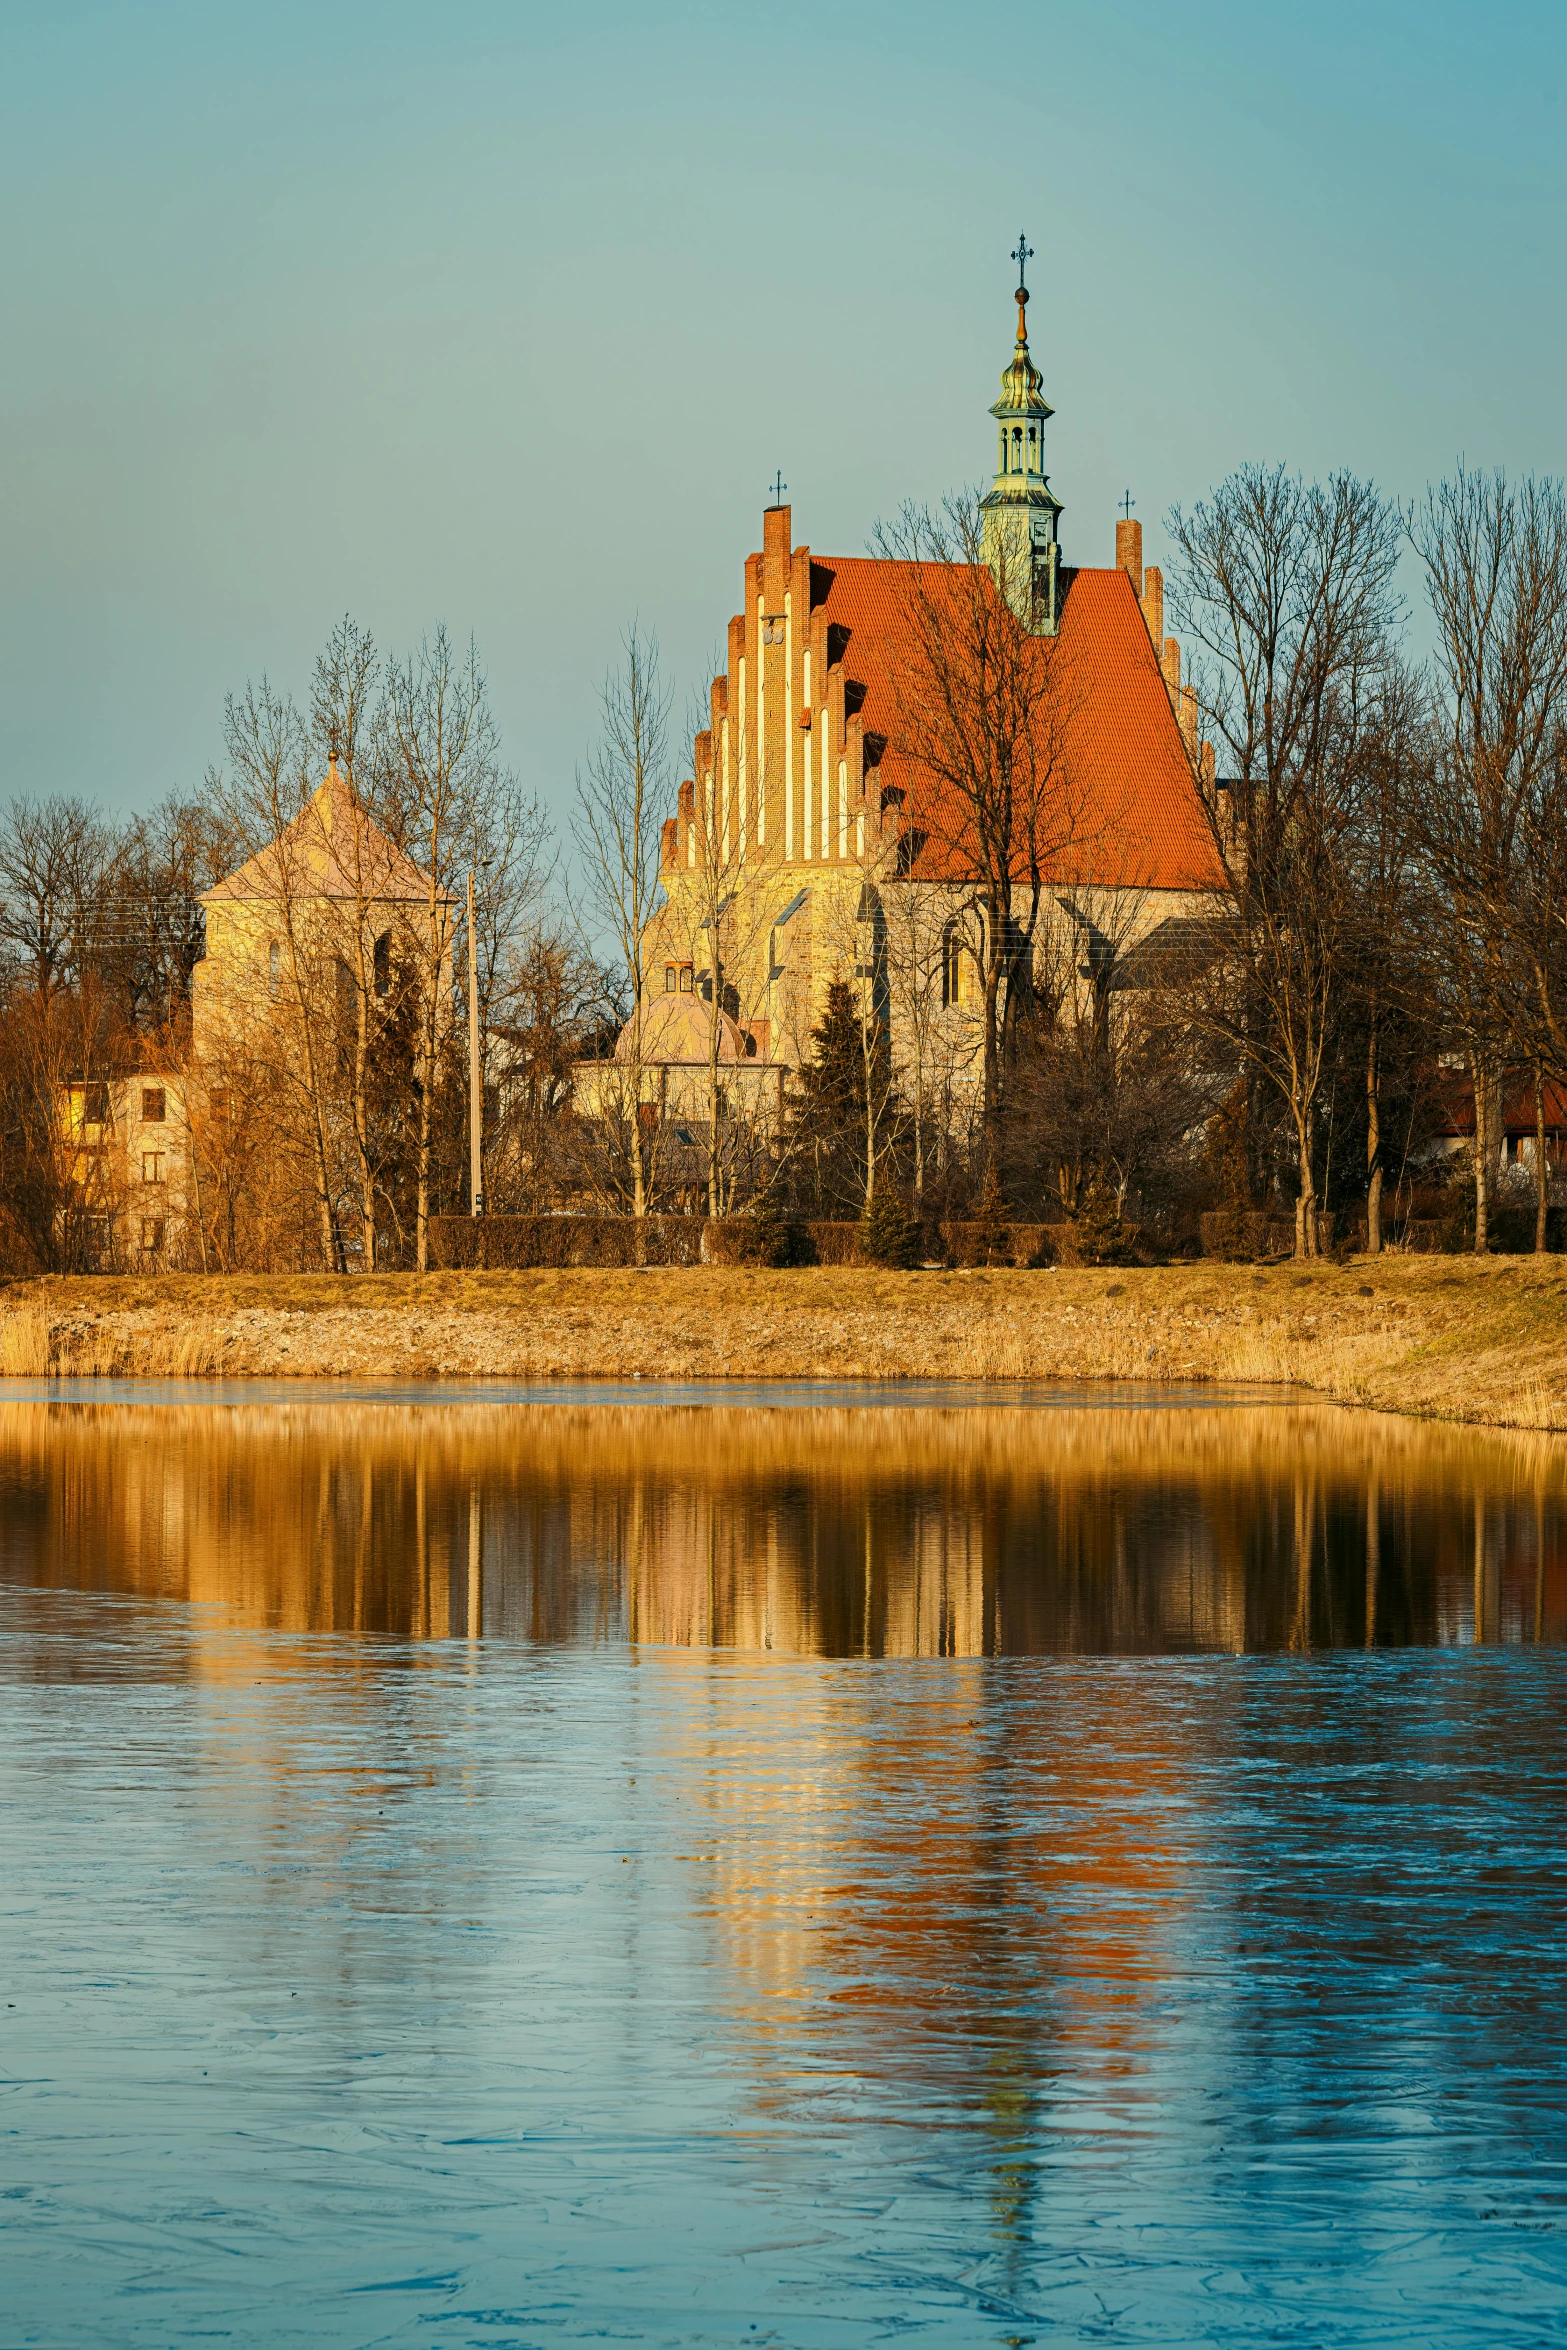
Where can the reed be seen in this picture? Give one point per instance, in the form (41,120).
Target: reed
(1483,1342)
(24,1344)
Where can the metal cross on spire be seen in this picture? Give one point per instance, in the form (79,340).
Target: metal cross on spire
(778,488)
(1022,253)
(1127,503)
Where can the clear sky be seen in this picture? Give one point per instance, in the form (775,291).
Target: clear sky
(505,315)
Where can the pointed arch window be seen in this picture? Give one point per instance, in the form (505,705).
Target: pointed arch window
(951,965)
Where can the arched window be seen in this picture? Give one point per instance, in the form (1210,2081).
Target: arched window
(952,965)
(383,963)
(274,967)
(671,979)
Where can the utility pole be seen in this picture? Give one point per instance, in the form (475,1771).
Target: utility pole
(475,1088)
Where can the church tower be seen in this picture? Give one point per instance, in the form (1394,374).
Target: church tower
(1021,511)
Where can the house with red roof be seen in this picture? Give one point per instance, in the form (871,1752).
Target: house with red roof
(815,838)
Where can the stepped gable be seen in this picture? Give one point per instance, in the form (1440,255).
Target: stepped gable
(1139,820)
(332,849)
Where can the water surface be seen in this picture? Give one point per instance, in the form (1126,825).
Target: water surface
(526,1873)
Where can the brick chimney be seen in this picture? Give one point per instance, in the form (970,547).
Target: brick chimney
(1129,554)
(1153,603)
(1187,713)
(775,555)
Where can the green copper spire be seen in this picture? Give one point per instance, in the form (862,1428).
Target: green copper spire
(1021,512)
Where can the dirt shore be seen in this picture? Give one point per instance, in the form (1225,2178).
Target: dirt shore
(1441,1337)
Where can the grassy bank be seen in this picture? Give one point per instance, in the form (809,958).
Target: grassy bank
(1444,1337)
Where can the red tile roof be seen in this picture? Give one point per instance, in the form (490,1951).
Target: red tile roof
(1138,819)
(1456,1104)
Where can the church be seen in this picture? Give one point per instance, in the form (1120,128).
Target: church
(816,836)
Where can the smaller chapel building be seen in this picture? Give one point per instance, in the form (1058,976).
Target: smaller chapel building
(318,914)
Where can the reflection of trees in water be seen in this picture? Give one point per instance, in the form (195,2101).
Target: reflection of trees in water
(838,1532)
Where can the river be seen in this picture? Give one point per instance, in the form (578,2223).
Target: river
(798,1867)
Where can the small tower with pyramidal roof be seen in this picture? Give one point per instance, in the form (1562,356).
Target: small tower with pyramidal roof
(1021,512)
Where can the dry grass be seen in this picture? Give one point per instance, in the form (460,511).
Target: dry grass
(1446,1338)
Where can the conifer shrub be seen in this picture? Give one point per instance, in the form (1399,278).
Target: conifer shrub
(992,1240)
(1098,1230)
(889,1235)
(757,1236)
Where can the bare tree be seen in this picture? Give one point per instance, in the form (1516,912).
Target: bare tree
(617,829)
(984,708)
(1386,968)
(350,728)
(56,856)
(545,997)
(934,1043)
(1286,589)
(1493,831)
(443,766)
(151,932)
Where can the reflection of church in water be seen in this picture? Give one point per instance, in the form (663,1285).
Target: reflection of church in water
(896,1532)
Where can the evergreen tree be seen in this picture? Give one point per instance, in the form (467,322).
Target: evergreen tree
(889,1235)
(990,1225)
(830,1157)
(1101,1236)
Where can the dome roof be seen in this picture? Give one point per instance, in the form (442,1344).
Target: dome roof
(679,1028)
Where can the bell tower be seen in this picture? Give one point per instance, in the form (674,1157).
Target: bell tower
(1021,511)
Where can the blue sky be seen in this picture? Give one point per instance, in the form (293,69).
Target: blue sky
(505,315)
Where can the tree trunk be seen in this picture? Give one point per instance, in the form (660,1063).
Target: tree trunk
(362,1117)
(992,1043)
(714,1189)
(919,1141)
(422,1210)
(331,1254)
(1480,1076)
(1306,1201)
(1542,1194)
(1373,1148)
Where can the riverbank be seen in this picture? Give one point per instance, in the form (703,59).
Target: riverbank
(1441,1337)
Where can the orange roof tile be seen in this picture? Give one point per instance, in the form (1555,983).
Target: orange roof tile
(1140,821)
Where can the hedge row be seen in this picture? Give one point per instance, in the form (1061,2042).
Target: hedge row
(512,1243)
(501,1243)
